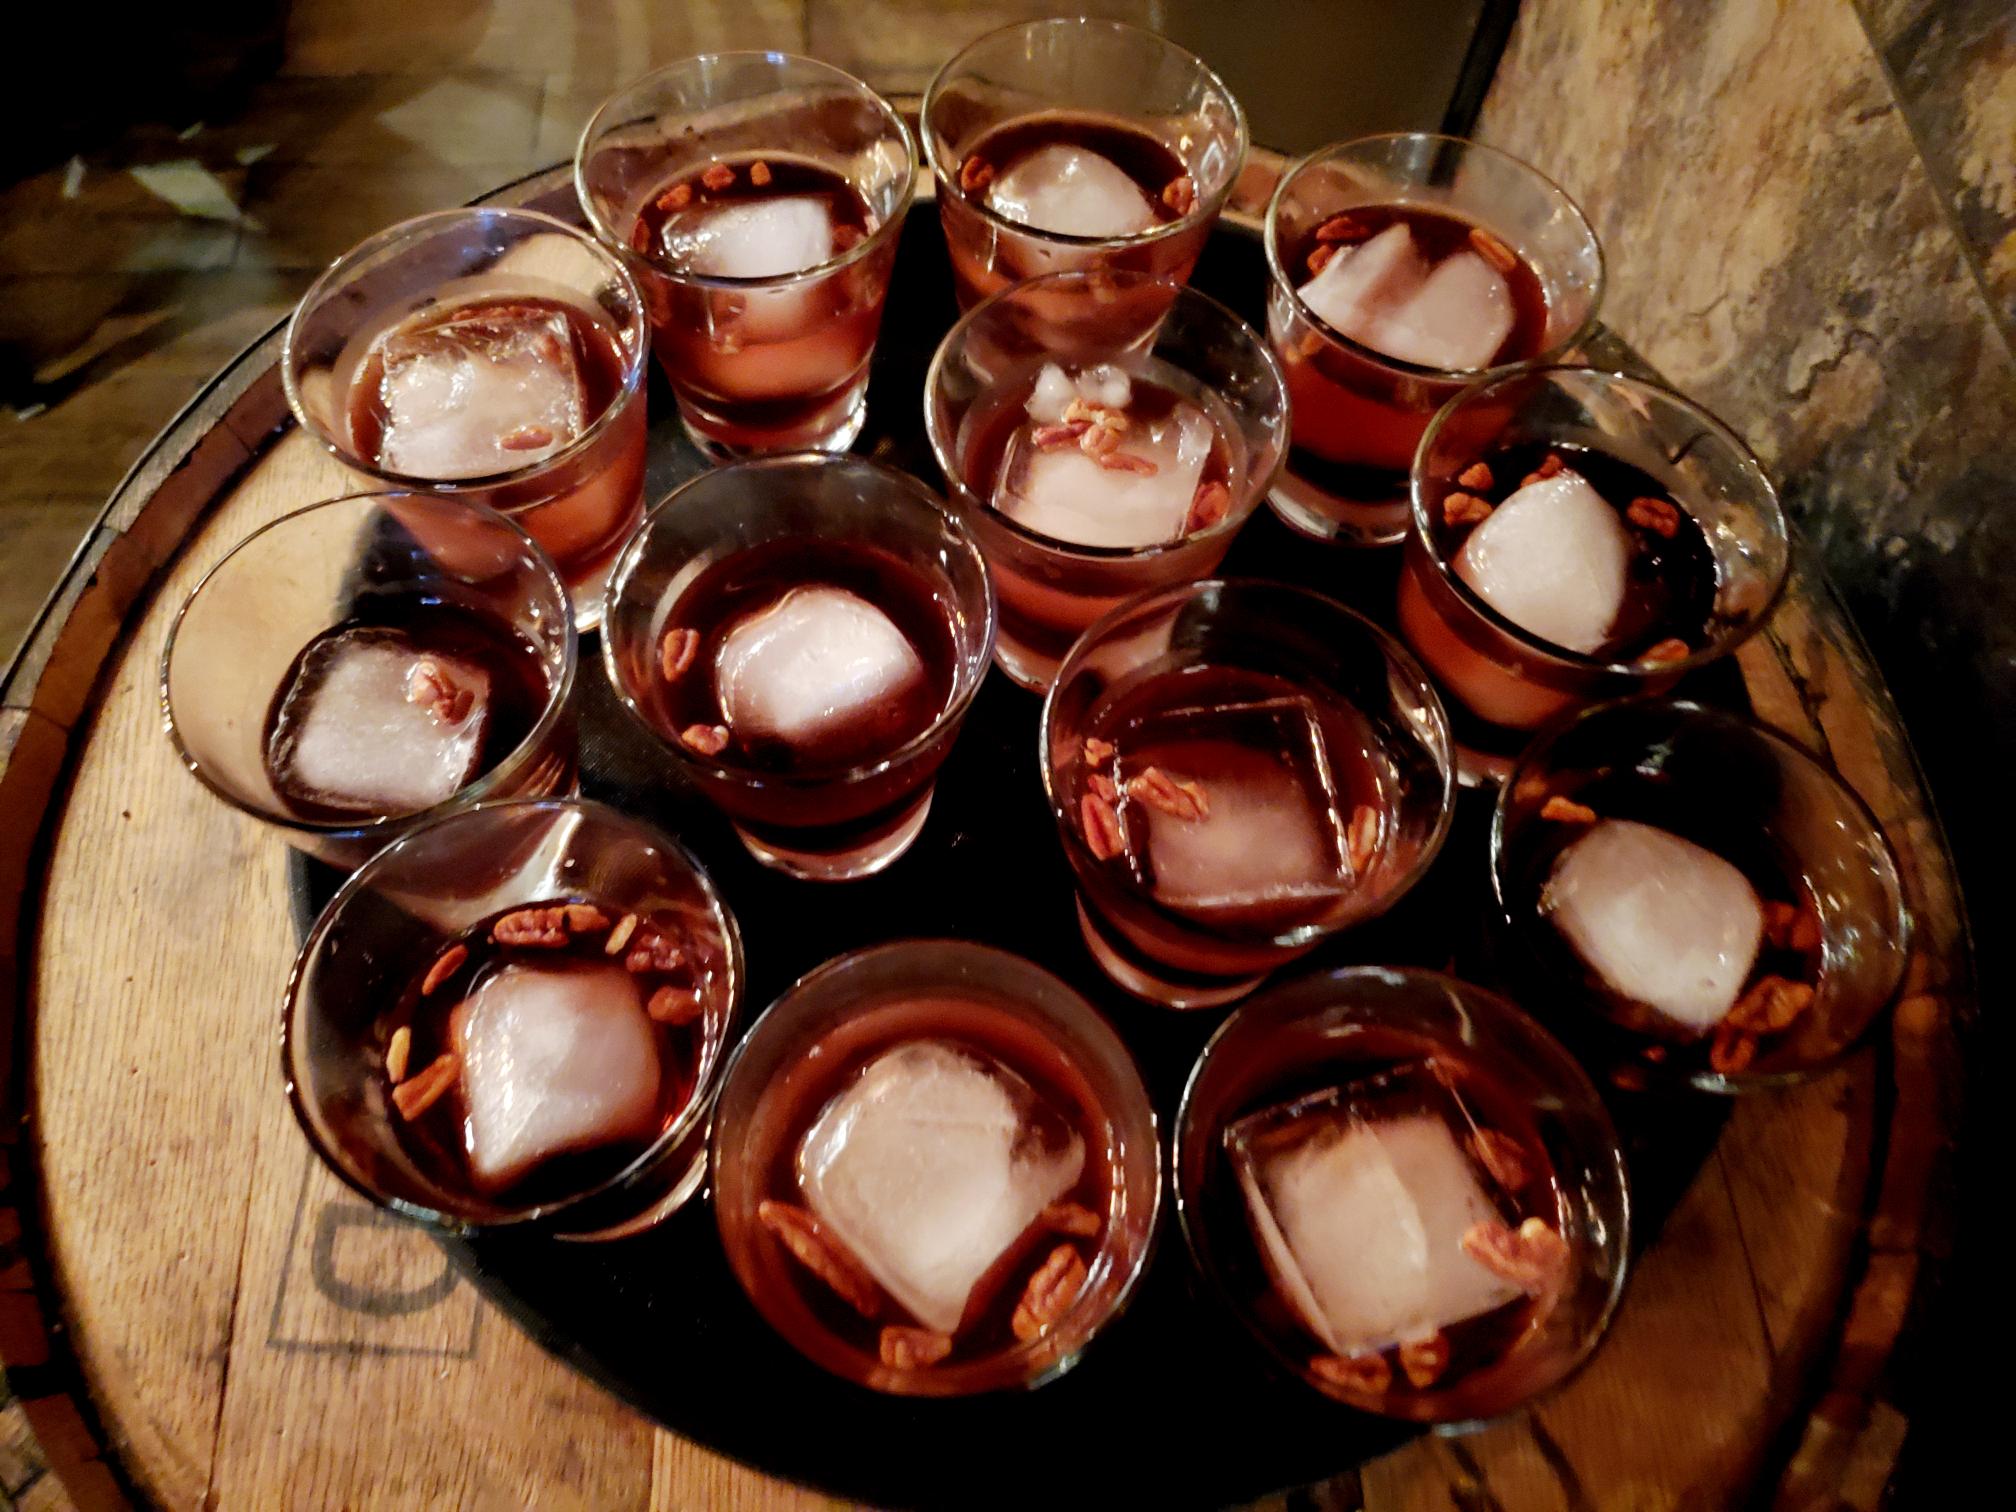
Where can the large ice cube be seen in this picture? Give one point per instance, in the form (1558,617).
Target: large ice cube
(1068,496)
(762,238)
(931,1167)
(1071,192)
(1661,920)
(1552,559)
(1273,834)
(1360,1219)
(1360,286)
(554,1058)
(479,391)
(1458,318)
(348,736)
(818,660)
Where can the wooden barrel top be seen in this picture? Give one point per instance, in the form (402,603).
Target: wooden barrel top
(195,1313)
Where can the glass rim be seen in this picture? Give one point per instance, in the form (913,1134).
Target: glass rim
(632,555)
(955,478)
(1540,750)
(698,1106)
(1399,660)
(605,235)
(558,695)
(1270,238)
(633,340)
(1206,207)
(1717,645)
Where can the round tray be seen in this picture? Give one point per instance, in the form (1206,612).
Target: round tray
(240,1322)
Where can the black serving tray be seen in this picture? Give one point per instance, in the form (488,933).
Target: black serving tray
(1173,1405)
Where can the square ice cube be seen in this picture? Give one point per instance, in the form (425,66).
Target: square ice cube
(761,238)
(1661,920)
(814,666)
(554,1059)
(1359,1200)
(931,1167)
(1456,319)
(350,736)
(1553,559)
(1360,286)
(1069,191)
(482,390)
(1067,495)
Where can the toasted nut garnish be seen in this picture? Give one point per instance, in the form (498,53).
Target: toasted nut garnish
(620,935)
(1102,827)
(1208,506)
(545,928)
(1422,1361)
(1771,1006)
(1567,811)
(677,651)
(428,682)
(1104,786)
(1050,1293)
(1501,1155)
(1097,752)
(1465,509)
(1319,258)
(913,1348)
(717,177)
(1532,1257)
(583,918)
(1476,477)
(1058,437)
(678,197)
(1365,1374)
(1072,1218)
(412,1098)
(975,174)
(1655,515)
(1550,465)
(1731,1050)
(1492,250)
(1180,194)
(819,1252)
(1671,649)
(652,950)
(445,966)
(759,174)
(846,238)
(1175,796)
(1098,440)
(1778,921)
(640,237)
(708,740)
(674,1005)
(1342,228)
(397,1054)
(1121,461)
(526,438)
(1806,935)
(1361,838)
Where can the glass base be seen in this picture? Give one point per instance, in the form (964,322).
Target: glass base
(838,439)
(587,596)
(842,866)
(1025,668)
(1481,769)
(1302,507)
(1154,989)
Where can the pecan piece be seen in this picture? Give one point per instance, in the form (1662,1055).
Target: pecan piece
(1655,515)
(1319,258)
(412,1098)
(1342,228)
(653,950)
(526,438)
(717,177)
(678,197)
(847,238)
(1549,466)
(1805,936)
(1121,461)
(1422,1361)
(1098,440)
(1104,786)
(1567,811)
(541,928)
(1477,477)
(1049,1294)
(1501,1155)
(1465,509)
(913,1348)
(1731,1050)
(1209,505)
(640,237)
(1175,796)
(1532,1257)
(428,682)
(1073,1218)
(398,1054)
(583,918)
(1361,838)
(1671,649)
(820,1253)
(1493,251)
(445,966)
(1363,1374)
(1180,194)
(759,174)
(1058,437)
(677,651)
(1102,827)
(677,1006)
(1771,1006)
(708,740)
(620,935)
(975,174)
(1097,752)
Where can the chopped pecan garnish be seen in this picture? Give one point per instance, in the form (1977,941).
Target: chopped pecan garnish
(1492,250)
(1465,509)
(975,174)
(1731,1050)
(1208,506)
(1422,1361)
(412,1098)
(397,1054)
(1180,194)
(717,177)
(526,438)
(846,238)
(1567,811)
(1050,1293)
(913,1348)
(1477,477)
(1501,1155)
(1072,1218)
(677,651)
(674,1005)
(1342,228)
(428,682)
(1058,437)
(620,935)
(640,237)
(1319,258)
(1177,797)
(1549,466)
(1104,786)
(759,174)
(1097,752)
(1771,1006)
(708,740)
(1806,935)
(543,928)
(1361,838)
(1121,461)
(1532,1257)
(1655,515)
(678,197)
(653,950)
(1102,827)
(445,966)
(1671,649)
(820,1253)
(1365,1374)
(584,918)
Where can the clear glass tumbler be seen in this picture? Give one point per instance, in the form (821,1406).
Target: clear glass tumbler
(512,348)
